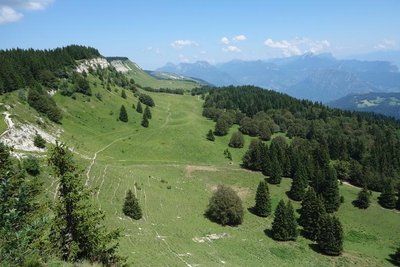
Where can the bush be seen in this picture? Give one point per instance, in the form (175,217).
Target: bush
(39,142)
(225,207)
(31,165)
(237,140)
(147,100)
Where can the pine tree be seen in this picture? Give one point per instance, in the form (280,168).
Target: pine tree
(363,199)
(210,136)
(123,94)
(77,231)
(311,213)
(276,171)
(387,199)
(147,112)
(330,191)
(131,206)
(330,239)
(123,116)
(284,226)
(299,185)
(263,200)
(145,121)
(139,108)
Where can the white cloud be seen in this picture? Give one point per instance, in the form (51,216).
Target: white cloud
(7,15)
(179,44)
(225,40)
(297,46)
(11,10)
(183,59)
(386,44)
(232,48)
(239,38)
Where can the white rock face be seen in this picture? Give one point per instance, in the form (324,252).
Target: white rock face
(120,66)
(94,63)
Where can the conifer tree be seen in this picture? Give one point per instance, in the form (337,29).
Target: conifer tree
(284,224)
(210,135)
(123,116)
(145,121)
(77,231)
(123,94)
(131,206)
(387,199)
(263,200)
(330,239)
(363,199)
(139,108)
(299,184)
(147,112)
(330,191)
(311,213)
(276,171)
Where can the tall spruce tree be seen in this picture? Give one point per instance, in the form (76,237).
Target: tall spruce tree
(147,112)
(131,206)
(330,192)
(311,212)
(363,199)
(387,198)
(284,224)
(210,136)
(77,231)
(263,200)
(123,116)
(299,184)
(145,121)
(330,239)
(139,108)
(275,171)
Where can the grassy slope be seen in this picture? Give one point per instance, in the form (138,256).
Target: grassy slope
(144,79)
(173,152)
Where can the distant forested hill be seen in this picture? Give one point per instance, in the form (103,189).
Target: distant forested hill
(383,103)
(363,148)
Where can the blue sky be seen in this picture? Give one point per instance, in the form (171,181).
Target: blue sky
(153,33)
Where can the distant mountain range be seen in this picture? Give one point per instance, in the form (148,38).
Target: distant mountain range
(316,77)
(384,103)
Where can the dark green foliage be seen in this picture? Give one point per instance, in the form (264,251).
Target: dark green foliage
(224,122)
(275,171)
(263,200)
(330,192)
(20,68)
(147,100)
(256,156)
(398,201)
(284,226)
(23,221)
(131,206)
(311,213)
(147,112)
(330,239)
(145,121)
(139,108)
(123,116)
(225,207)
(31,165)
(210,136)
(299,184)
(395,257)
(363,199)
(227,154)
(43,103)
(77,232)
(123,94)
(39,142)
(237,140)
(81,85)
(387,198)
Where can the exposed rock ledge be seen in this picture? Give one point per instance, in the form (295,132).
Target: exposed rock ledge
(94,63)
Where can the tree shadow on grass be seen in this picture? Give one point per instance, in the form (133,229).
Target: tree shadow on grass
(268,232)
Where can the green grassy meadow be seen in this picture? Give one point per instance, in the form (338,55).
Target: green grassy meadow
(173,170)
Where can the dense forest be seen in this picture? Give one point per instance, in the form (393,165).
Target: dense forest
(363,149)
(26,67)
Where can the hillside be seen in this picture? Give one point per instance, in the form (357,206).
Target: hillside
(320,77)
(383,103)
(173,170)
